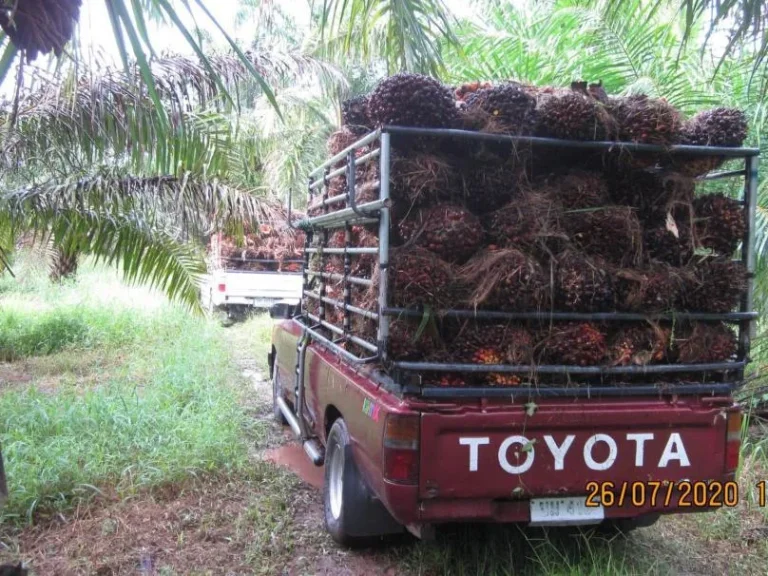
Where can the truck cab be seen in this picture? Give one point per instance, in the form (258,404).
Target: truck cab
(402,453)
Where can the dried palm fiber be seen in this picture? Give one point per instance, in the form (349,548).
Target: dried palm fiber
(572,115)
(465,90)
(650,193)
(582,284)
(407,99)
(345,137)
(713,285)
(725,127)
(703,343)
(612,232)
(503,109)
(417,277)
(573,344)
(494,344)
(577,189)
(653,289)
(720,223)
(490,183)
(422,178)
(639,345)
(354,111)
(531,222)
(39,26)
(360,237)
(448,230)
(505,279)
(671,238)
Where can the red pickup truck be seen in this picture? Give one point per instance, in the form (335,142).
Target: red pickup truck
(399,455)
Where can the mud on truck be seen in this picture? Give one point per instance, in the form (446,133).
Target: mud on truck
(519,329)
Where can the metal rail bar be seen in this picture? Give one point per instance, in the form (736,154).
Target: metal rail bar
(565,369)
(576,316)
(556,143)
(342,306)
(341,155)
(342,250)
(338,349)
(261,260)
(340,217)
(382,335)
(333,276)
(339,171)
(580,392)
(336,330)
(747,327)
(723,174)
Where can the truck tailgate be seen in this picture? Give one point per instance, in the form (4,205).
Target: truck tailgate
(505,453)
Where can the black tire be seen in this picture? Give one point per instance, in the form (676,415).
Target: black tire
(353,516)
(279,418)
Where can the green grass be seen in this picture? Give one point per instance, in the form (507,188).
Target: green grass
(168,409)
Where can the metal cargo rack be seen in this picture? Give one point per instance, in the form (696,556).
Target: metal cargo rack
(377,147)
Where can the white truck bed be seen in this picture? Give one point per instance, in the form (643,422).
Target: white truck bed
(225,288)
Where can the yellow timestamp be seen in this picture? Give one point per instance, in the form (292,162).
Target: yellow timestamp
(683,494)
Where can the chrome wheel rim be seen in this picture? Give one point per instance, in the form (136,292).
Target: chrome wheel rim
(336,480)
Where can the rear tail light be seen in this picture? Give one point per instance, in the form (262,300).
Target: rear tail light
(222,287)
(401,449)
(733,443)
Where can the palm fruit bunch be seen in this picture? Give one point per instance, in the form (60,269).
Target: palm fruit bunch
(489,185)
(702,343)
(714,285)
(726,127)
(578,189)
(574,344)
(612,232)
(410,340)
(655,289)
(506,280)
(671,242)
(651,194)
(450,231)
(720,223)
(418,277)
(503,109)
(354,111)
(495,344)
(465,90)
(646,120)
(639,345)
(407,99)
(359,237)
(422,178)
(532,221)
(572,115)
(39,26)
(582,284)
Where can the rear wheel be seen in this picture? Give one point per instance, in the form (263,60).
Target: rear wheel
(353,516)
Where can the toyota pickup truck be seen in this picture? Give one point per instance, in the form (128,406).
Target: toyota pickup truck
(399,455)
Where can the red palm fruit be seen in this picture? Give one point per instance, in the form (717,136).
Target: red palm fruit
(574,344)
(702,342)
(654,289)
(613,233)
(582,284)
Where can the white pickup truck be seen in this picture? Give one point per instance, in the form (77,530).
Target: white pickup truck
(237,291)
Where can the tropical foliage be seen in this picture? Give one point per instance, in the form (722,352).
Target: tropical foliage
(91,148)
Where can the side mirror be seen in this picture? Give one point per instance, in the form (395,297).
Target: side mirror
(282,311)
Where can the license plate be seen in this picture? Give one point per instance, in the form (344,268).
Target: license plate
(569,511)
